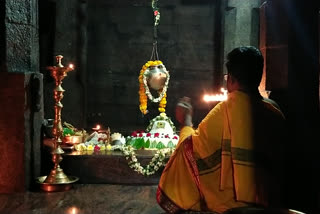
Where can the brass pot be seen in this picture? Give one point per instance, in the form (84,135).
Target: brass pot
(73,139)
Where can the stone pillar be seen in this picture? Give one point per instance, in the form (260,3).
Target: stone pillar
(241,24)
(21,112)
(303,115)
(290,43)
(274,47)
(20,127)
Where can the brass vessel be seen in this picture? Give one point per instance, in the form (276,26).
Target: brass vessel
(57,179)
(49,187)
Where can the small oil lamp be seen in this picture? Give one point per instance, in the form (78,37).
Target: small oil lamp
(96,128)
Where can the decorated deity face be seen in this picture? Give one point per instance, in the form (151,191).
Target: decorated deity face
(160,125)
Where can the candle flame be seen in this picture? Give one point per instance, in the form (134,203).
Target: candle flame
(73,210)
(216,97)
(71,66)
(98,126)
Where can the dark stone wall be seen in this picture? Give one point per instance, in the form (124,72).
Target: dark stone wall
(59,34)
(109,41)
(21,33)
(47,29)
(60,28)
(2,38)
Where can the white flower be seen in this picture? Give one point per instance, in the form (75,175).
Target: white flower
(151,168)
(115,136)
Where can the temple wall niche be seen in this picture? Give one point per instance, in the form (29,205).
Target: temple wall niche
(118,41)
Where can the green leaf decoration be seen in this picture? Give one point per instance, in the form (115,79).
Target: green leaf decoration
(139,143)
(170,144)
(130,142)
(147,144)
(67,131)
(153,144)
(160,145)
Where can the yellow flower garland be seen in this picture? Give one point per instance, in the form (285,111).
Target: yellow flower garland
(142,90)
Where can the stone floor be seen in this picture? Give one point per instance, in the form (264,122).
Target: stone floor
(84,199)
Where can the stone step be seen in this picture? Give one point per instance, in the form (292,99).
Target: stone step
(107,167)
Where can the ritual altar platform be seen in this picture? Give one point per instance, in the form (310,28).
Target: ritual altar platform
(103,167)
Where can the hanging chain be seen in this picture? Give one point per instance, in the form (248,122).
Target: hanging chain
(156,13)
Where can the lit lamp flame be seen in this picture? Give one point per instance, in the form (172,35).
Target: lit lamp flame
(73,210)
(71,66)
(216,97)
(97,128)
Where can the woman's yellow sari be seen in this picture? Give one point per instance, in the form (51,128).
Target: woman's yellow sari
(226,162)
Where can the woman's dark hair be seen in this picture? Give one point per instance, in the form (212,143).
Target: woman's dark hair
(245,64)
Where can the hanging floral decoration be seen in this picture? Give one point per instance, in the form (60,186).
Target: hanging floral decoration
(156,12)
(144,91)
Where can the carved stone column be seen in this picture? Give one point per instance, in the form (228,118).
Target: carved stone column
(274,47)
(290,43)
(21,113)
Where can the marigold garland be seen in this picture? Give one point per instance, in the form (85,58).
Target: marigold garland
(144,92)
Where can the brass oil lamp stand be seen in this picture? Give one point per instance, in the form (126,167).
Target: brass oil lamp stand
(57,180)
